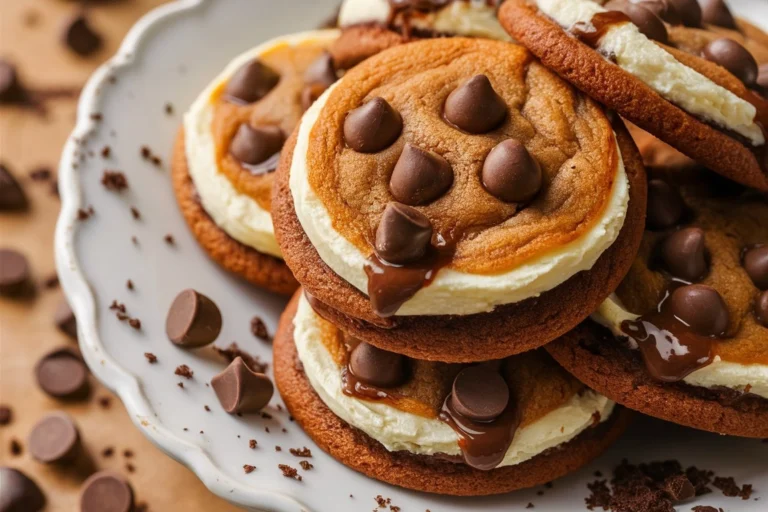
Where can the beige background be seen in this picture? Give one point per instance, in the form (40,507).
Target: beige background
(29,36)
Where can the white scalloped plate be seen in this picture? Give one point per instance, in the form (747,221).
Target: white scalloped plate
(168,57)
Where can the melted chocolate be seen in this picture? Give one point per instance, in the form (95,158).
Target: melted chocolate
(591,33)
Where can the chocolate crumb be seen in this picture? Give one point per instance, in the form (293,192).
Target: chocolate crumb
(252,444)
(117,306)
(180,384)
(248,468)
(300,452)
(233,351)
(16,448)
(84,213)
(135,213)
(114,180)
(290,472)
(169,109)
(106,151)
(305,465)
(266,415)
(208,409)
(135,323)
(259,329)
(184,371)
(129,284)
(730,489)
(169,239)
(151,358)
(278,448)
(134,240)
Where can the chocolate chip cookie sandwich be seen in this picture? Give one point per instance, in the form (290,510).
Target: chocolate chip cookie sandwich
(229,146)
(467,430)
(685,337)
(452,199)
(633,59)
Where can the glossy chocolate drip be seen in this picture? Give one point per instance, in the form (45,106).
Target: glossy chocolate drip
(483,444)
(591,33)
(353,386)
(670,349)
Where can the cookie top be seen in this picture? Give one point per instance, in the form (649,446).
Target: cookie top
(450,176)
(695,105)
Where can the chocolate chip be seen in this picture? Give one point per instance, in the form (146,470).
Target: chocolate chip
(420,176)
(685,255)
(756,264)
(475,107)
(62,374)
(403,235)
(253,146)
(733,57)
(14,272)
(372,127)
(701,308)
(54,439)
(762,77)
(661,8)
(510,173)
(19,493)
(12,197)
(645,19)
(252,82)
(322,71)
(479,393)
(241,390)
(688,10)
(80,37)
(377,367)
(761,308)
(193,320)
(716,12)
(665,205)
(106,491)
(11,90)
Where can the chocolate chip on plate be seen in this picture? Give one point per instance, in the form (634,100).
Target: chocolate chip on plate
(14,272)
(403,235)
(106,491)
(420,176)
(54,439)
(80,37)
(372,127)
(322,71)
(377,367)
(733,57)
(62,374)
(254,145)
(12,197)
(479,393)
(18,492)
(702,308)
(665,205)
(511,173)
(241,390)
(193,320)
(645,19)
(756,264)
(688,10)
(475,107)
(716,12)
(685,255)
(761,308)
(252,82)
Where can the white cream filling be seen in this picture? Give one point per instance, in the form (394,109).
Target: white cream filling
(657,68)
(719,373)
(235,213)
(453,292)
(473,18)
(397,430)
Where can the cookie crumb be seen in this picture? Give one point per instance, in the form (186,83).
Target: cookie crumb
(129,284)
(300,452)
(248,468)
(135,323)
(184,371)
(151,358)
(252,444)
(106,151)
(305,465)
(169,109)
(259,328)
(290,472)
(114,180)
(135,213)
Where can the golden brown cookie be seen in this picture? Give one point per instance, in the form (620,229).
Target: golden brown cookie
(599,77)
(429,474)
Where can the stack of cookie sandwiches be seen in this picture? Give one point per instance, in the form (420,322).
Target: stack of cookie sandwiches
(450,206)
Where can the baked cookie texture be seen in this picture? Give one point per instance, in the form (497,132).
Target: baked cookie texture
(616,88)
(432,474)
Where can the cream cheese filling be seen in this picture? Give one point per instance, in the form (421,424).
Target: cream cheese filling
(237,214)
(397,430)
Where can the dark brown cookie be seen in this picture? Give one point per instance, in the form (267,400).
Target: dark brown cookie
(256,267)
(429,474)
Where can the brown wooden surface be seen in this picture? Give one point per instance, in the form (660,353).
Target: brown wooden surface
(29,36)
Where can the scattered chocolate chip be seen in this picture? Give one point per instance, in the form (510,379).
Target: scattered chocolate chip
(259,328)
(62,374)
(290,472)
(479,393)
(716,12)
(14,272)
(193,320)
(248,468)
(756,265)
(702,308)
(241,390)
(254,145)
(688,10)
(233,351)
(80,37)
(733,57)
(645,19)
(252,82)
(306,465)
(403,235)
(475,107)
(372,127)
(511,173)
(420,176)
(65,320)
(300,452)
(11,90)
(106,491)
(685,255)
(151,358)
(761,308)
(5,415)
(378,367)
(184,371)
(19,493)
(322,71)
(54,439)
(12,197)
(665,205)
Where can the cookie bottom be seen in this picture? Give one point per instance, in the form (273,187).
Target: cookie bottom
(358,451)
(596,358)
(258,268)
